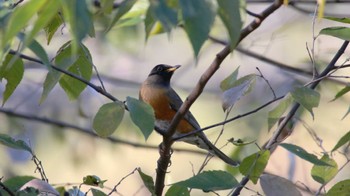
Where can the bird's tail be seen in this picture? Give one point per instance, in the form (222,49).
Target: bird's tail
(202,142)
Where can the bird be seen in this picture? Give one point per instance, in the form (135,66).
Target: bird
(157,92)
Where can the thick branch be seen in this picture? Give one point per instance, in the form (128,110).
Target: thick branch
(215,65)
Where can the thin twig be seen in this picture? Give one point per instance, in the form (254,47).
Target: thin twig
(40,168)
(313,135)
(267,82)
(230,119)
(272,62)
(17,3)
(252,14)
(314,69)
(121,180)
(83,80)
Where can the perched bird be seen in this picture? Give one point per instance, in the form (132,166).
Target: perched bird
(157,92)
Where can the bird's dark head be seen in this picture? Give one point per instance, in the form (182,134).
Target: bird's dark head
(161,74)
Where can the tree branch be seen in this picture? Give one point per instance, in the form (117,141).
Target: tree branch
(89,132)
(275,63)
(295,107)
(164,159)
(83,80)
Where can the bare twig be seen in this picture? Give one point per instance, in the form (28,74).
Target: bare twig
(272,62)
(313,135)
(121,180)
(40,168)
(231,119)
(16,4)
(314,37)
(267,82)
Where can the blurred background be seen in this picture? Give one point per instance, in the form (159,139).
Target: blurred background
(124,59)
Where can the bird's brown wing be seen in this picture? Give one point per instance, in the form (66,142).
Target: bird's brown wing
(200,139)
(175,104)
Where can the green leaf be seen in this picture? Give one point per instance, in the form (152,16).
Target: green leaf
(147,181)
(306,97)
(198,17)
(149,21)
(15,183)
(234,155)
(339,32)
(276,185)
(177,190)
(12,70)
(342,20)
(162,12)
(342,92)
(323,174)
(300,152)
(45,15)
(96,192)
(66,59)
(76,191)
(142,115)
(240,142)
(20,18)
(275,114)
(124,7)
(341,188)
(15,144)
(79,18)
(40,52)
(81,67)
(210,181)
(129,22)
(230,14)
(237,90)
(108,118)
(343,140)
(93,180)
(61,190)
(254,165)
(229,81)
(52,26)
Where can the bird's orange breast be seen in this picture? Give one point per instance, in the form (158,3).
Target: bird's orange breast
(158,99)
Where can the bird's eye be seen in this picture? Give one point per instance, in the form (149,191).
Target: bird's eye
(160,68)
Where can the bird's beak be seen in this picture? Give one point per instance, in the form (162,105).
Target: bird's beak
(172,69)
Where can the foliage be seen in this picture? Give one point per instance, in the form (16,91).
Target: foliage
(72,67)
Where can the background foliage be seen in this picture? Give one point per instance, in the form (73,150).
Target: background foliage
(71,121)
